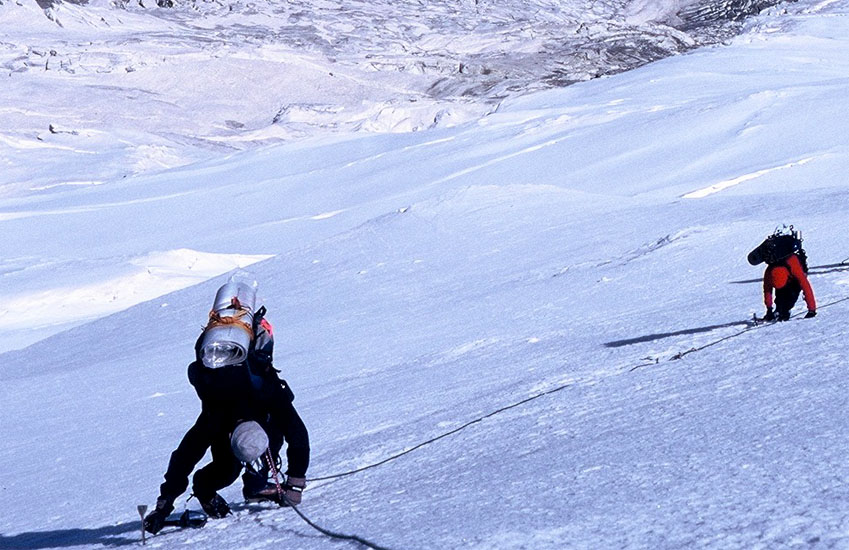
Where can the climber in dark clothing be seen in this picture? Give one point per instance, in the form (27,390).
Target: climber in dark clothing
(232,395)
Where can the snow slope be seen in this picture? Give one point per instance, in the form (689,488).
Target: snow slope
(561,283)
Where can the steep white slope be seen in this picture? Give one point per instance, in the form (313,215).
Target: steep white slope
(421,282)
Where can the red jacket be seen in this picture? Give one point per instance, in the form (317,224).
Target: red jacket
(793,264)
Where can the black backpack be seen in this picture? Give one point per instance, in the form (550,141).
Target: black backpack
(778,247)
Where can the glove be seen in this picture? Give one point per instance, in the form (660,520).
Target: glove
(811,313)
(293,488)
(770,315)
(155,521)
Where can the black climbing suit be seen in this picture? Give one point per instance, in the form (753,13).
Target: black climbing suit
(229,395)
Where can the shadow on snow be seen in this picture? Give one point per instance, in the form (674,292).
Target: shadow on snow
(110,535)
(661,335)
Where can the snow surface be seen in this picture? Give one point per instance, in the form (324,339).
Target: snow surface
(555,293)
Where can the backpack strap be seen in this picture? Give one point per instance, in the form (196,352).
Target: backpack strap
(803,259)
(259,315)
(262,346)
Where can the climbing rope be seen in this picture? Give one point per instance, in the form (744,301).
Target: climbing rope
(273,467)
(681,355)
(480,419)
(446,434)
(368,543)
(284,500)
(329,533)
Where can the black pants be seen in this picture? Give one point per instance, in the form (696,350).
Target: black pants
(786,297)
(220,473)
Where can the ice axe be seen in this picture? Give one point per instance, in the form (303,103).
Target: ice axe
(142,510)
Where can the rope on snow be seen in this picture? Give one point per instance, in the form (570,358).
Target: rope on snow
(446,434)
(676,357)
(745,330)
(332,534)
(396,456)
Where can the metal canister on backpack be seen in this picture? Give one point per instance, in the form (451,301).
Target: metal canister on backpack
(227,337)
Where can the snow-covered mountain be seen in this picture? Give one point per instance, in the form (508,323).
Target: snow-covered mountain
(547,305)
(102,90)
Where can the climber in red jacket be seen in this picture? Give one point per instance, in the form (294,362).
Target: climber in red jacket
(786,274)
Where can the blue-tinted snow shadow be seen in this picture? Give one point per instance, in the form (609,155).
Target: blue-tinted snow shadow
(661,335)
(109,535)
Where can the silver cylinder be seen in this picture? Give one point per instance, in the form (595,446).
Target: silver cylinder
(243,292)
(227,342)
